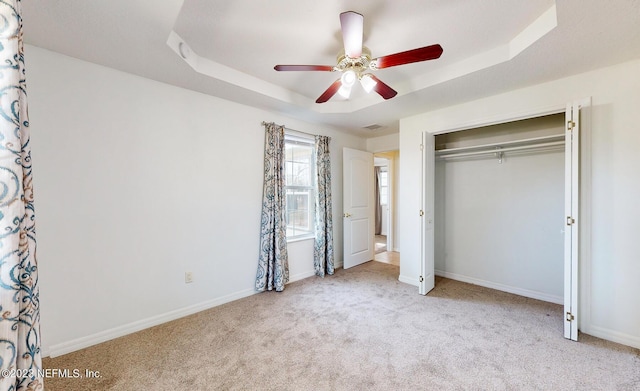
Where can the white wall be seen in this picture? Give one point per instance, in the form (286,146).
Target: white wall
(609,266)
(137,182)
(396,200)
(501,225)
(390,142)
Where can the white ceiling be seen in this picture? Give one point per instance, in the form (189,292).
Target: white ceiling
(490,46)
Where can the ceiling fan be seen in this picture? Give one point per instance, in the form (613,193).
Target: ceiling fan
(356,62)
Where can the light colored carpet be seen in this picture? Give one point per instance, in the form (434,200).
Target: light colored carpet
(360,329)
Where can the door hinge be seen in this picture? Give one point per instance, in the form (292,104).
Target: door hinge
(570,125)
(421,212)
(422,147)
(421,279)
(570,220)
(570,317)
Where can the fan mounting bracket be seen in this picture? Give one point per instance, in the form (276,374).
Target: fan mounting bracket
(357,65)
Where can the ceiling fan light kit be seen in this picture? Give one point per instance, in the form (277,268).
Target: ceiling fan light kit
(356,60)
(347,80)
(367,82)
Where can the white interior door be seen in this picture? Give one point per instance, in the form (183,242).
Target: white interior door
(358,200)
(427,269)
(571,202)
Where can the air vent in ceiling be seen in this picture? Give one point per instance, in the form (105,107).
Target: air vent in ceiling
(373,127)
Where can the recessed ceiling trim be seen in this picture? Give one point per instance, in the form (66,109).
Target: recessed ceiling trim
(546,22)
(536,30)
(503,53)
(224,73)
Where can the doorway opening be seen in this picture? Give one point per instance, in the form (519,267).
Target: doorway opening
(499,204)
(576,199)
(385,180)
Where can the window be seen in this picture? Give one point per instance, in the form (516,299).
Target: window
(384,186)
(299,187)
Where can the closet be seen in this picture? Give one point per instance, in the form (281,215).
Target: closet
(499,218)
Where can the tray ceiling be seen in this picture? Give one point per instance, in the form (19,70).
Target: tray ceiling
(229,48)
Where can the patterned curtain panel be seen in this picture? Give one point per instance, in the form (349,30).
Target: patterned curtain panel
(323,243)
(273,263)
(20,358)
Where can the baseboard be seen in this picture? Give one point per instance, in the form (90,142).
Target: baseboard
(116,332)
(501,287)
(301,276)
(409,280)
(613,336)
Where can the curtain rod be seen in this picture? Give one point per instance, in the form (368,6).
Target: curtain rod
(292,130)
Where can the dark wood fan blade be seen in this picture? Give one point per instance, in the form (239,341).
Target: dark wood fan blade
(324,68)
(416,55)
(384,90)
(352,24)
(331,91)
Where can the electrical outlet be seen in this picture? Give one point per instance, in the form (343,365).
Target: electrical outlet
(188,277)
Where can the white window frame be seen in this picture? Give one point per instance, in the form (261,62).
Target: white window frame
(295,139)
(384,171)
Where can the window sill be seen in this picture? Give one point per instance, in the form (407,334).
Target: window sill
(300,239)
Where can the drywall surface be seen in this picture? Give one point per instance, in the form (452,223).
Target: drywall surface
(500,223)
(383,143)
(137,182)
(610,250)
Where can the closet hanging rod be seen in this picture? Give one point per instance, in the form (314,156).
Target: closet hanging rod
(499,150)
(532,141)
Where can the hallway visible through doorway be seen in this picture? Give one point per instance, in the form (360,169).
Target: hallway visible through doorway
(380,243)
(391,257)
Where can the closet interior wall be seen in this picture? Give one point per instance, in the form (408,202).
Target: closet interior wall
(499,223)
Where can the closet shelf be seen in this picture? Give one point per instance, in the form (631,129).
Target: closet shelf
(544,142)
